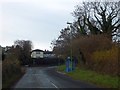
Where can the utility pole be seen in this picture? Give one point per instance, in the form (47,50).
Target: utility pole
(71,52)
(72,27)
(118,64)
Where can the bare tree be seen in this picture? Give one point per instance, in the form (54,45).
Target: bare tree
(99,17)
(23,49)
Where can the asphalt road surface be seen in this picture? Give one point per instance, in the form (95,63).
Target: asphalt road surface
(48,77)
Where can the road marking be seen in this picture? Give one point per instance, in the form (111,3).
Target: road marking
(53,84)
(61,73)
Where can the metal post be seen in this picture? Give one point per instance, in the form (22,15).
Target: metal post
(71,27)
(118,64)
(71,46)
(71,43)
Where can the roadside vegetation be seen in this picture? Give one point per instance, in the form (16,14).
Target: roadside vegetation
(13,62)
(101,80)
(93,39)
(11,71)
(99,54)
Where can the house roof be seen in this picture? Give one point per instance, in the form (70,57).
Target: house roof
(38,50)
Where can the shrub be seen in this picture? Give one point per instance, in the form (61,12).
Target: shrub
(99,52)
(90,44)
(10,69)
(106,61)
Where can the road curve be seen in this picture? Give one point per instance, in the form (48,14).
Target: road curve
(48,77)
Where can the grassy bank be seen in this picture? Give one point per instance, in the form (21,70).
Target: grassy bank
(100,80)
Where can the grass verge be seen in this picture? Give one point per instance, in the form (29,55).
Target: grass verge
(105,81)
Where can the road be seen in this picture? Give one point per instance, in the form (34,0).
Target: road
(48,77)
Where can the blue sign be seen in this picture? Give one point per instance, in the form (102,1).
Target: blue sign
(68,69)
(71,64)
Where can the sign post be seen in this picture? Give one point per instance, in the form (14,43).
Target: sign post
(68,62)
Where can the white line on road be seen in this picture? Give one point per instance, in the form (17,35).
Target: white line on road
(53,84)
(61,73)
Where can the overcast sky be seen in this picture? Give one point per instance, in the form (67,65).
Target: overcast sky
(37,20)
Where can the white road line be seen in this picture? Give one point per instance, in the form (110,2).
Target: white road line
(61,73)
(54,85)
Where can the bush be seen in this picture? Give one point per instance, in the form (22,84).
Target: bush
(10,69)
(90,44)
(99,52)
(106,60)
(95,52)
